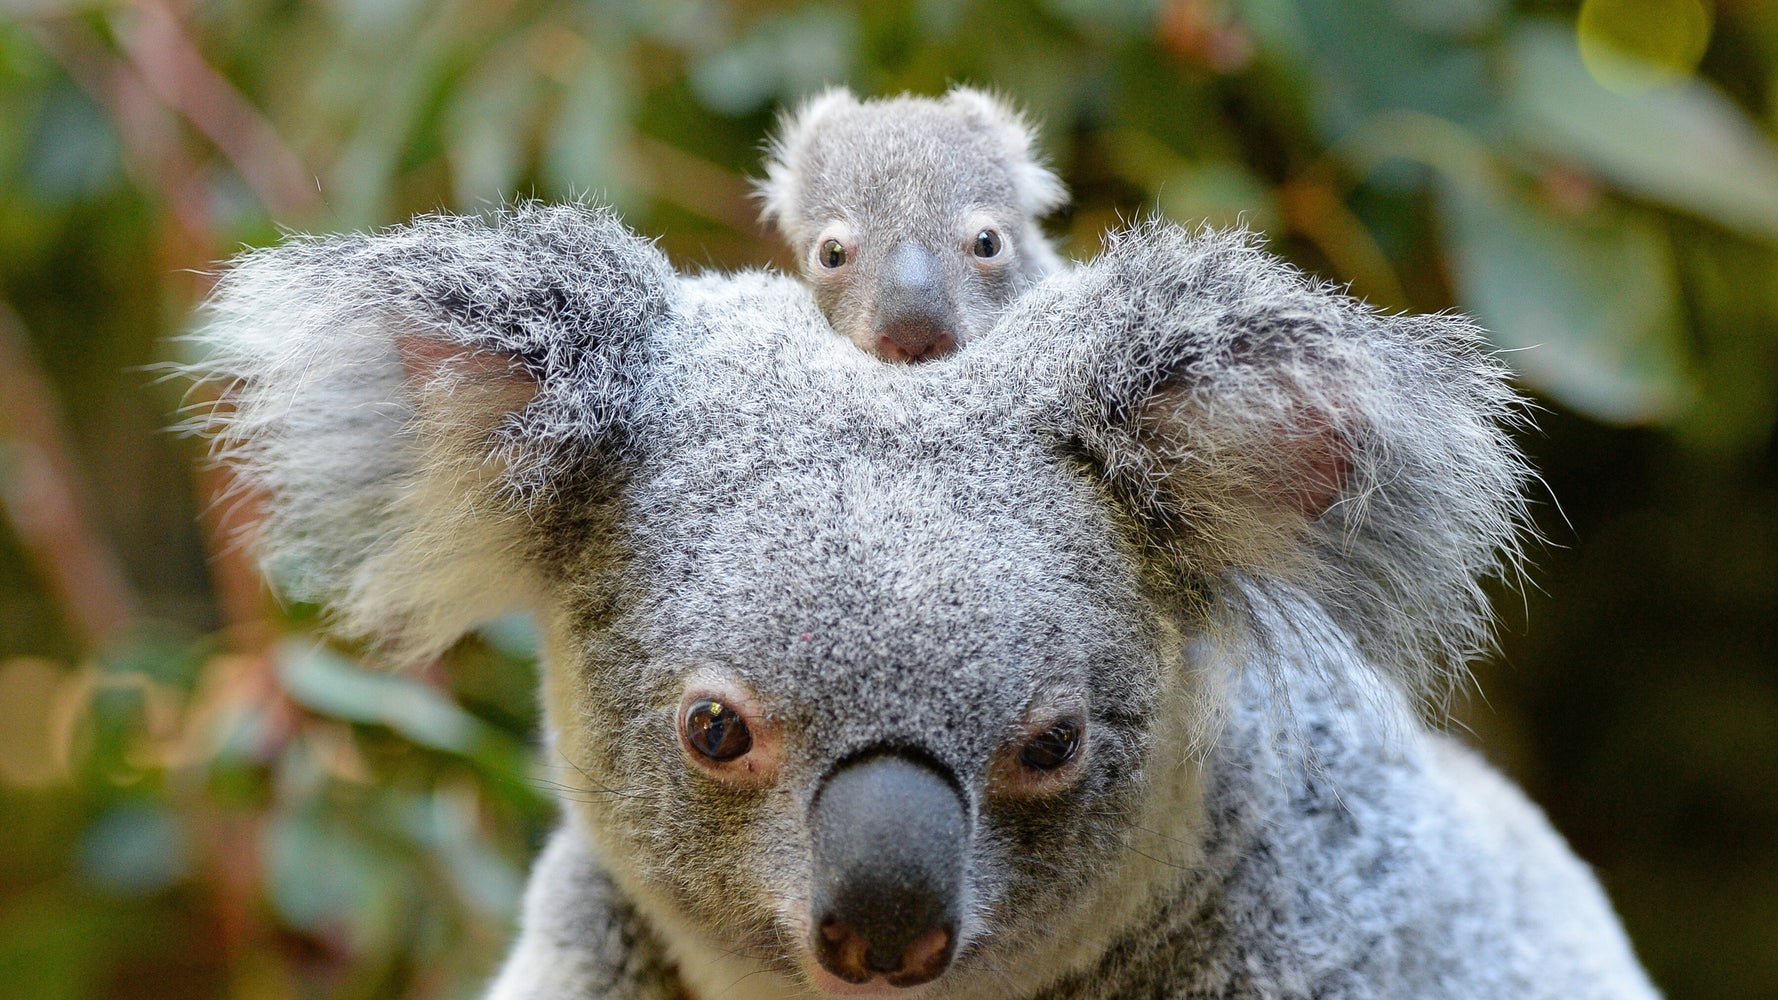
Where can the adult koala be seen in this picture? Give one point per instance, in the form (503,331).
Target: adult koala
(1080,663)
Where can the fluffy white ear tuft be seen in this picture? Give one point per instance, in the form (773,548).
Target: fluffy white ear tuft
(786,157)
(1040,190)
(1269,431)
(411,401)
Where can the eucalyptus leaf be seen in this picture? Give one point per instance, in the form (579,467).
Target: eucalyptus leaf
(325,682)
(135,848)
(782,57)
(1222,193)
(1587,309)
(323,875)
(73,154)
(1366,57)
(586,148)
(513,635)
(1278,27)
(361,180)
(55,946)
(1683,143)
(1108,18)
(486,128)
(481,875)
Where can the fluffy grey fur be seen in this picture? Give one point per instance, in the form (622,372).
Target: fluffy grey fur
(932,172)
(1235,517)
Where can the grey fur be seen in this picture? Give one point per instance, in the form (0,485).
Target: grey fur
(932,172)
(1235,516)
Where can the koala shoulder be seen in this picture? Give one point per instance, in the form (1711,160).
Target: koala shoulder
(579,937)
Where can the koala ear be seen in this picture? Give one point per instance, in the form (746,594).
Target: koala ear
(1040,191)
(1268,430)
(780,192)
(409,401)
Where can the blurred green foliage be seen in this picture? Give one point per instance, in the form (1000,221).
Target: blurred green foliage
(204,799)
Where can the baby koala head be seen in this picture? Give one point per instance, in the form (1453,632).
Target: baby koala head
(914,218)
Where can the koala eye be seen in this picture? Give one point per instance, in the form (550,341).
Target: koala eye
(1053,747)
(833,254)
(716,730)
(987,243)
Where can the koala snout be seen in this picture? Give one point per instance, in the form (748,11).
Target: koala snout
(886,892)
(915,320)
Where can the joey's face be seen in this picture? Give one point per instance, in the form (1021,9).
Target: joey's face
(881,722)
(917,283)
(909,228)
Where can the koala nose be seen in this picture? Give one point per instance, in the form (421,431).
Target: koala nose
(914,317)
(887,885)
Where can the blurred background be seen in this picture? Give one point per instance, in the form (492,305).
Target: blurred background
(200,797)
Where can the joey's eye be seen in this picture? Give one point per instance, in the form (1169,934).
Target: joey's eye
(832,254)
(987,243)
(716,730)
(1053,747)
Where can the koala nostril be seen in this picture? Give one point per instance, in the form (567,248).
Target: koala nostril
(889,350)
(842,952)
(924,958)
(915,343)
(846,954)
(939,346)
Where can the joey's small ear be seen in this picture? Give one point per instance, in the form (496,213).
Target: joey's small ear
(1266,427)
(780,191)
(1040,190)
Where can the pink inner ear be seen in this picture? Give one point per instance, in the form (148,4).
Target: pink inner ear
(1312,464)
(465,379)
(1301,460)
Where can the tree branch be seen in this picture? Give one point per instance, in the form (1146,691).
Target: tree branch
(40,491)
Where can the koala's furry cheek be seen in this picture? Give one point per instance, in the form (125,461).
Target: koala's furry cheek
(1036,860)
(730,863)
(710,849)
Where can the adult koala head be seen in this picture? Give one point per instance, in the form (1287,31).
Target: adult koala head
(1073,664)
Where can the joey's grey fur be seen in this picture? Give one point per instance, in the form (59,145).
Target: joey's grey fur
(905,188)
(1228,519)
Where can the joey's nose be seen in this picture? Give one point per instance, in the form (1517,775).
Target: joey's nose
(887,881)
(915,318)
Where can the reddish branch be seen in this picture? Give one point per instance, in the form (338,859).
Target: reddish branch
(176,71)
(40,491)
(159,78)
(148,131)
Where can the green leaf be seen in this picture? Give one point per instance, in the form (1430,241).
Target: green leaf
(587,145)
(1365,57)
(513,635)
(135,848)
(74,153)
(1108,19)
(783,56)
(1588,308)
(486,127)
(1683,144)
(160,656)
(322,875)
(1220,192)
(54,946)
(480,875)
(325,682)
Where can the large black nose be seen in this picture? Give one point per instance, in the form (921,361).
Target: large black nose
(889,838)
(915,319)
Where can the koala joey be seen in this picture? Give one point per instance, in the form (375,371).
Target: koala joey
(1084,667)
(914,219)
